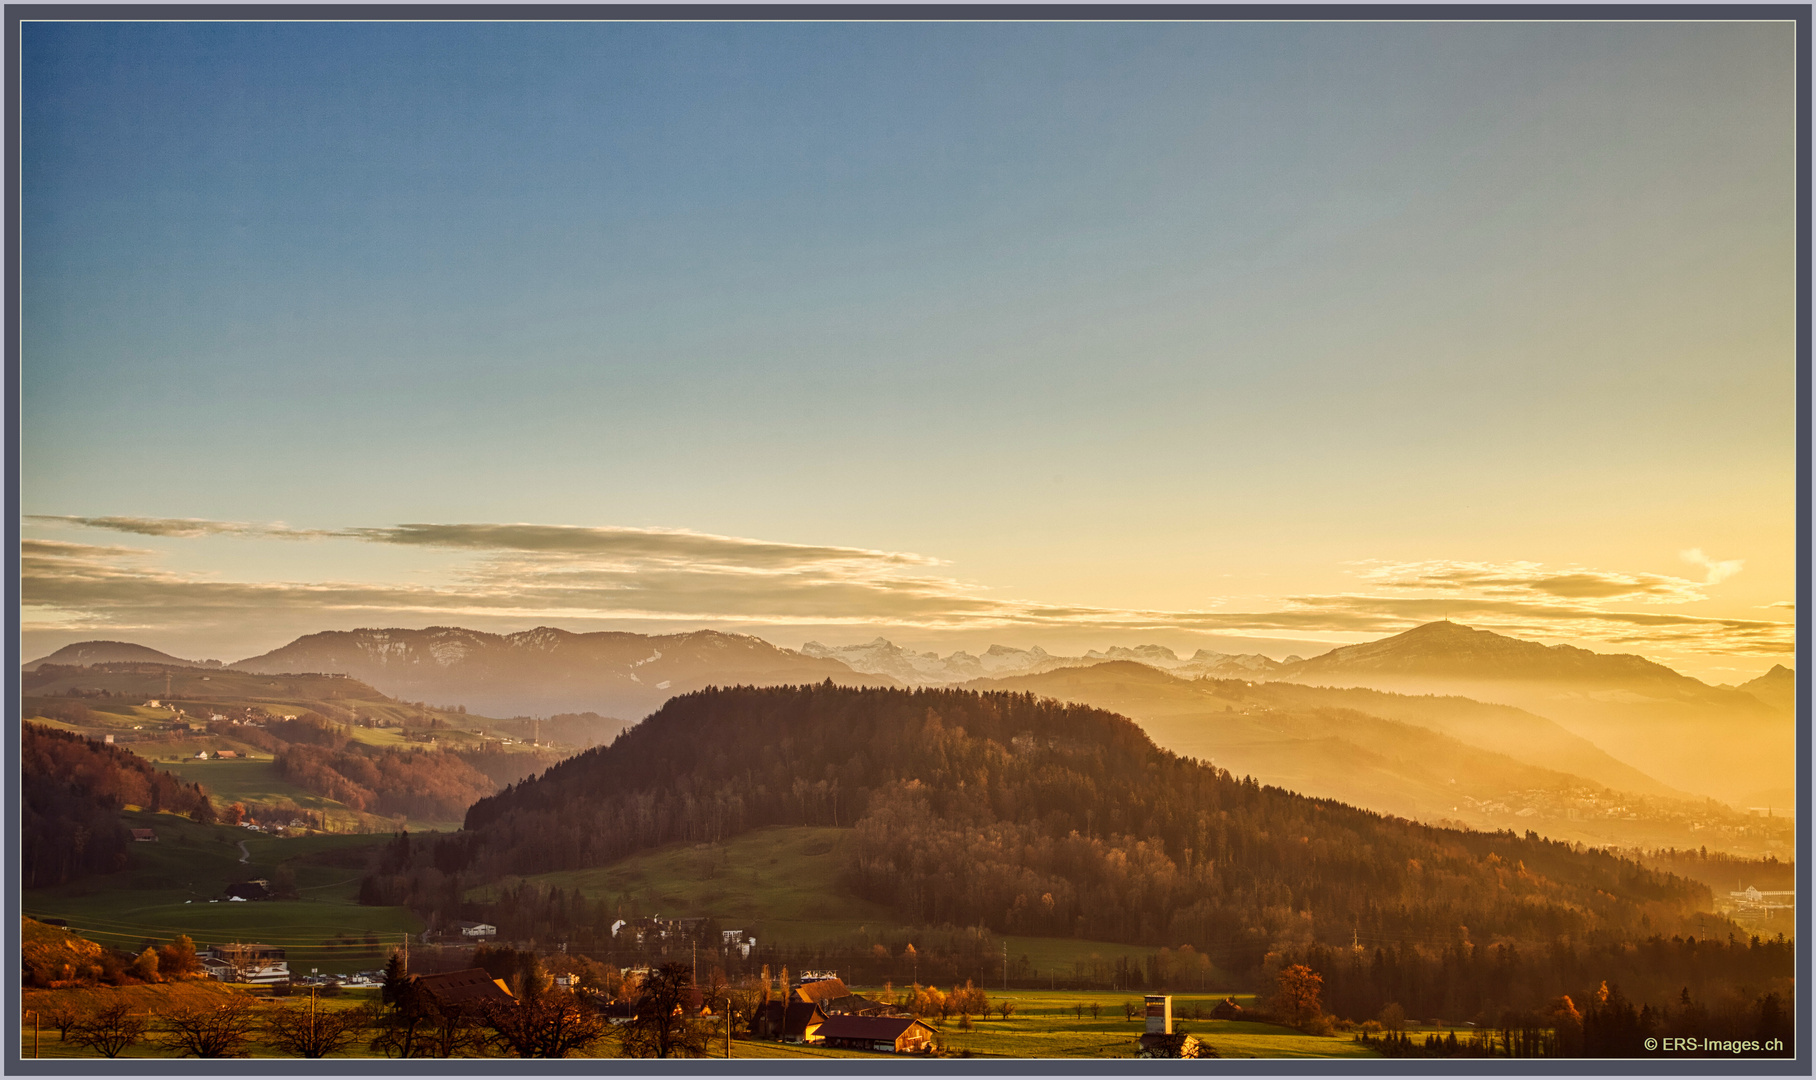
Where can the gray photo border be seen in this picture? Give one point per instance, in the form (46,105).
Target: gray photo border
(13,1063)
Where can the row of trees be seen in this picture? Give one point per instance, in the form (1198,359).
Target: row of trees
(222,1029)
(1465,981)
(419,783)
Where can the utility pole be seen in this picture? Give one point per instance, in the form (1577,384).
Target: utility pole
(1005,966)
(727,1026)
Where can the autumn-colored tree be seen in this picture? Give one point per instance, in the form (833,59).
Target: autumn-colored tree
(178,958)
(1296,994)
(145,965)
(234,814)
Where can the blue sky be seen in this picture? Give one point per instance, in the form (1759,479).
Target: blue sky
(1158,331)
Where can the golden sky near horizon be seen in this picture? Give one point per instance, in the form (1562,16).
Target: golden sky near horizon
(1244,336)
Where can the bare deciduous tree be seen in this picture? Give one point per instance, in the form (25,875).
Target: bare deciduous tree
(310,1031)
(109,1031)
(662,1028)
(551,1024)
(209,1031)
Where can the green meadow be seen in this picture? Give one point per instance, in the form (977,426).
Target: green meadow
(783,885)
(167,888)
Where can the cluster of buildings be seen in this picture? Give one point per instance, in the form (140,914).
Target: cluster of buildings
(657,929)
(245,963)
(822,1011)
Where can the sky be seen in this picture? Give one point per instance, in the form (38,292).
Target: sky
(1235,336)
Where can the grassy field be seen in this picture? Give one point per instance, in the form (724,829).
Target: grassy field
(1050,1024)
(167,888)
(1044,1026)
(779,884)
(148,1000)
(782,885)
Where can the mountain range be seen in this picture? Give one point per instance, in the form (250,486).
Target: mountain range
(883,657)
(1488,706)
(546,670)
(1723,742)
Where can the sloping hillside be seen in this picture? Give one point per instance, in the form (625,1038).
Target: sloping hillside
(1439,759)
(1033,817)
(84,653)
(1713,741)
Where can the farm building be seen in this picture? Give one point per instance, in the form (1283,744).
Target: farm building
(258,889)
(144,836)
(794,1021)
(881,1034)
(468,989)
(477,929)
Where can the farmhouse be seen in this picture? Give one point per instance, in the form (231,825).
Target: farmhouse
(881,1034)
(818,988)
(477,929)
(144,836)
(257,889)
(470,989)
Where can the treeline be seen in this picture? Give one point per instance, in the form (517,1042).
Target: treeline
(1721,871)
(323,757)
(1483,983)
(428,784)
(72,790)
(1037,817)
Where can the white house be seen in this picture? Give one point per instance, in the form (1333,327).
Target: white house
(477,929)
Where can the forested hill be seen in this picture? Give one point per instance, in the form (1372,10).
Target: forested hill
(71,792)
(1037,817)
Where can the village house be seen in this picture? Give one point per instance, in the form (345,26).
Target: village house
(737,941)
(144,836)
(476,929)
(829,993)
(879,1034)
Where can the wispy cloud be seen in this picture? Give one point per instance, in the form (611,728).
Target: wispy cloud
(1530,580)
(186,528)
(678,546)
(604,573)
